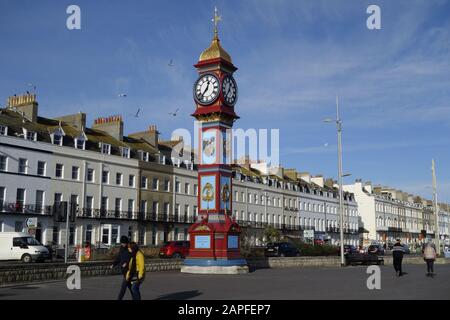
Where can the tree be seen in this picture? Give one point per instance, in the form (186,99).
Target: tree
(272,234)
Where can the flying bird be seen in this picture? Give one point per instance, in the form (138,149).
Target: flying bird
(137,113)
(171,63)
(122,95)
(174,113)
(326,144)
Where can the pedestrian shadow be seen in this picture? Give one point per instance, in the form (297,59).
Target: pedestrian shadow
(182,295)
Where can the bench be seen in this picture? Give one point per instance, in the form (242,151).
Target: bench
(363,258)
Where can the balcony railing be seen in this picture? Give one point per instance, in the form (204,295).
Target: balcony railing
(107,214)
(17,207)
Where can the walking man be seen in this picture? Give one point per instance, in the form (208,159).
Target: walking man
(397,254)
(429,255)
(123,260)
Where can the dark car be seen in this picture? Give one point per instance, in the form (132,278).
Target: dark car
(281,249)
(174,249)
(376,249)
(350,249)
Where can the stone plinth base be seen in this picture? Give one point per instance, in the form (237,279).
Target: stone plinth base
(215,269)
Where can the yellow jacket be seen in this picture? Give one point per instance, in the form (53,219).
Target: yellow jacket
(140,267)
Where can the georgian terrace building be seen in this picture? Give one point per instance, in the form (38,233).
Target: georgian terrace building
(130,185)
(388,214)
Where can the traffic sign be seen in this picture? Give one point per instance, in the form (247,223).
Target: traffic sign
(31,223)
(308,234)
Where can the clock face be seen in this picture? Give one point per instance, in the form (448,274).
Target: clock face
(229,90)
(206,89)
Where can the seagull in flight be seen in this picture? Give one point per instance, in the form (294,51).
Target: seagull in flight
(122,95)
(174,113)
(325,145)
(137,113)
(171,63)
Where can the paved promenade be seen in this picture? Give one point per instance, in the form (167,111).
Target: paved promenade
(289,283)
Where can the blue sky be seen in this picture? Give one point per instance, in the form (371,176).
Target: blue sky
(293,57)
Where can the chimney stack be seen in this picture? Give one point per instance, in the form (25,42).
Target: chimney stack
(112,125)
(25,103)
(151,136)
(77,120)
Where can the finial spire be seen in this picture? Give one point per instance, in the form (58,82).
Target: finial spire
(216,20)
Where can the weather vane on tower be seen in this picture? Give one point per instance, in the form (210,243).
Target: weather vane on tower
(216,20)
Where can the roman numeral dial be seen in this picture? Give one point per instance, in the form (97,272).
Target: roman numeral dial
(206,89)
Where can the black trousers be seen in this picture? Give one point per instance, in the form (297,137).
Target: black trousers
(398,264)
(430,265)
(123,288)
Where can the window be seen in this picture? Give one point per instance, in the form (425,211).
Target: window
(143,208)
(20,199)
(144,156)
(71,236)
(105,177)
(23,165)
(125,152)
(31,135)
(144,182)
(18,226)
(89,205)
(58,198)
(80,143)
(195,190)
(88,233)
(177,187)
(130,207)
(2,197)
(236,196)
(104,204)
(105,235)
(59,170)
(3,131)
(131,180)
(155,207)
(155,184)
(39,201)
(3,163)
(57,139)
(90,175)
(75,173)
(106,148)
(41,168)
(119,179)
(186,188)
(166,185)
(117,206)
(114,234)
(166,208)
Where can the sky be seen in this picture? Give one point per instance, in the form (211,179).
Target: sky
(293,57)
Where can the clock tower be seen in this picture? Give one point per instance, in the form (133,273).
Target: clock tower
(215,237)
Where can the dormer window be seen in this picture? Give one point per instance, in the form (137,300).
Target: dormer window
(144,156)
(162,159)
(3,130)
(80,143)
(106,148)
(57,139)
(125,152)
(29,135)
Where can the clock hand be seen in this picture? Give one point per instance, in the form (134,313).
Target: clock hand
(206,89)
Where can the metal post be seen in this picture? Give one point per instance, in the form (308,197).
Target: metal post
(436,210)
(341,193)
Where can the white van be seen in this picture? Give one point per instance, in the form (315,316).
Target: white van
(21,246)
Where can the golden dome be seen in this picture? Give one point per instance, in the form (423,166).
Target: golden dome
(215,51)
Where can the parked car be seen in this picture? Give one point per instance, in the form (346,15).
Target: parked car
(376,249)
(281,249)
(174,249)
(21,246)
(406,248)
(350,249)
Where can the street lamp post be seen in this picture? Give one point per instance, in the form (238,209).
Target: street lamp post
(340,177)
(436,210)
